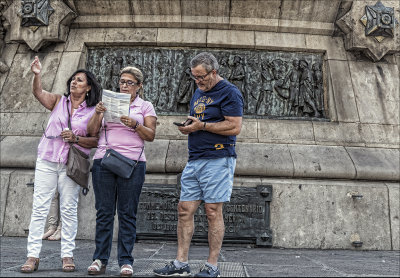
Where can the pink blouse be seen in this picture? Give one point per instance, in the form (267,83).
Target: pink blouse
(122,138)
(56,150)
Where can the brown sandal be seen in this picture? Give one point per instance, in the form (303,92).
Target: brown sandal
(68,264)
(31,265)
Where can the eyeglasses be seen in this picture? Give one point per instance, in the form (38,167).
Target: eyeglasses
(51,136)
(128,83)
(199,77)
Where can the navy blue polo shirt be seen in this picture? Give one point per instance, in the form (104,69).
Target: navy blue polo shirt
(224,99)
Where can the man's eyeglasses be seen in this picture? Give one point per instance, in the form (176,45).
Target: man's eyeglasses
(128,83)
(199,77)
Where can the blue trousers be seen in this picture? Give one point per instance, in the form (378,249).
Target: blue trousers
(115,193)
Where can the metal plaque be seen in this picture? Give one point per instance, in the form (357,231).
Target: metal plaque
(273,84)
(246,216)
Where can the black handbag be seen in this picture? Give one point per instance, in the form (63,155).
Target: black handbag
(78,165)
(118,163)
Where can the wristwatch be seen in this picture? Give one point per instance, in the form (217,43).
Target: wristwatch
(76,139)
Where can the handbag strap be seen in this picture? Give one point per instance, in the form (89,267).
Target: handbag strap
(105,135)
(84,190)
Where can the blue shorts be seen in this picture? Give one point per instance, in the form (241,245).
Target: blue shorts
(210,180)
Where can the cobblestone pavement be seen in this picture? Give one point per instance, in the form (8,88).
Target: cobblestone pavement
(235,261)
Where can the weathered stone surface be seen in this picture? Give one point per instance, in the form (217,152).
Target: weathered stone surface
(256,24)
(19,97)
(343,94)
(339,133)
(18,151)
(297,132)
(23,124)
(19,203)
(130,36)
(305,27)
(87,215)
(68,65)
(205,14)
(177,156)
(103,21)
(249,132)
(281,41)
(263,160)
(162,21)
(255,9)
(232,39)
(78,37)
(321,162)
(167,130)
(376,88)
(384,136)
(394,206)
(332,45)
(7,55)
(5,184)
(156,156)
(375,163)
(184,37)
(319,11)
(322,214)
(103,7)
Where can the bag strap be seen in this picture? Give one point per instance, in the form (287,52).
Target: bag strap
(84,190)
(105,135)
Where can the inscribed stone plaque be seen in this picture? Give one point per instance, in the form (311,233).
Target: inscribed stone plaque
(273,84)
(246,216)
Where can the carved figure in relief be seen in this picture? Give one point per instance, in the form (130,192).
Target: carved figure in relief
(224,69)
(293,77)
(306,92)
(237,76)
(266,87)
(162,100)
(318,87)
(115,69)
(186,88)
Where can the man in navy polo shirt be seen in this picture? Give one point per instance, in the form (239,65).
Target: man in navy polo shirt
(216,110)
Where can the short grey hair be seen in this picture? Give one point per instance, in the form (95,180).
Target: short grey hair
(137,74)
(207,60)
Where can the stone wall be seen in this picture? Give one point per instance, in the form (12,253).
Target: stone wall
(314,166)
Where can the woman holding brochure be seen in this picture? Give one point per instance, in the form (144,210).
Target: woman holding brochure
(113,192)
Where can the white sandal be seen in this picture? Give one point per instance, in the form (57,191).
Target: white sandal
(96,268)
(126,270)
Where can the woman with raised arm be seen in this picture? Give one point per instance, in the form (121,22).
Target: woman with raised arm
(77,105)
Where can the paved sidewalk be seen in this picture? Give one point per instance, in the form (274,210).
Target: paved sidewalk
(235,261)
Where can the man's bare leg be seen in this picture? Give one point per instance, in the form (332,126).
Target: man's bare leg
(186,211)
(216,231)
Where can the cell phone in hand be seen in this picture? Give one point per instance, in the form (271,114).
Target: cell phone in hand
(187,122)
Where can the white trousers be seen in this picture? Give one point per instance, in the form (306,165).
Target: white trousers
(50,176)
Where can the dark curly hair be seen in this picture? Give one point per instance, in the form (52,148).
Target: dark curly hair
(94,95)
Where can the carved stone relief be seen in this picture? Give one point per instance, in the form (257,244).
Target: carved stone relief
(35,12)
(273,84)
(30,22)
(371,29)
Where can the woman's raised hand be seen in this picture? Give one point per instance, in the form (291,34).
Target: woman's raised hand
(36,66)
